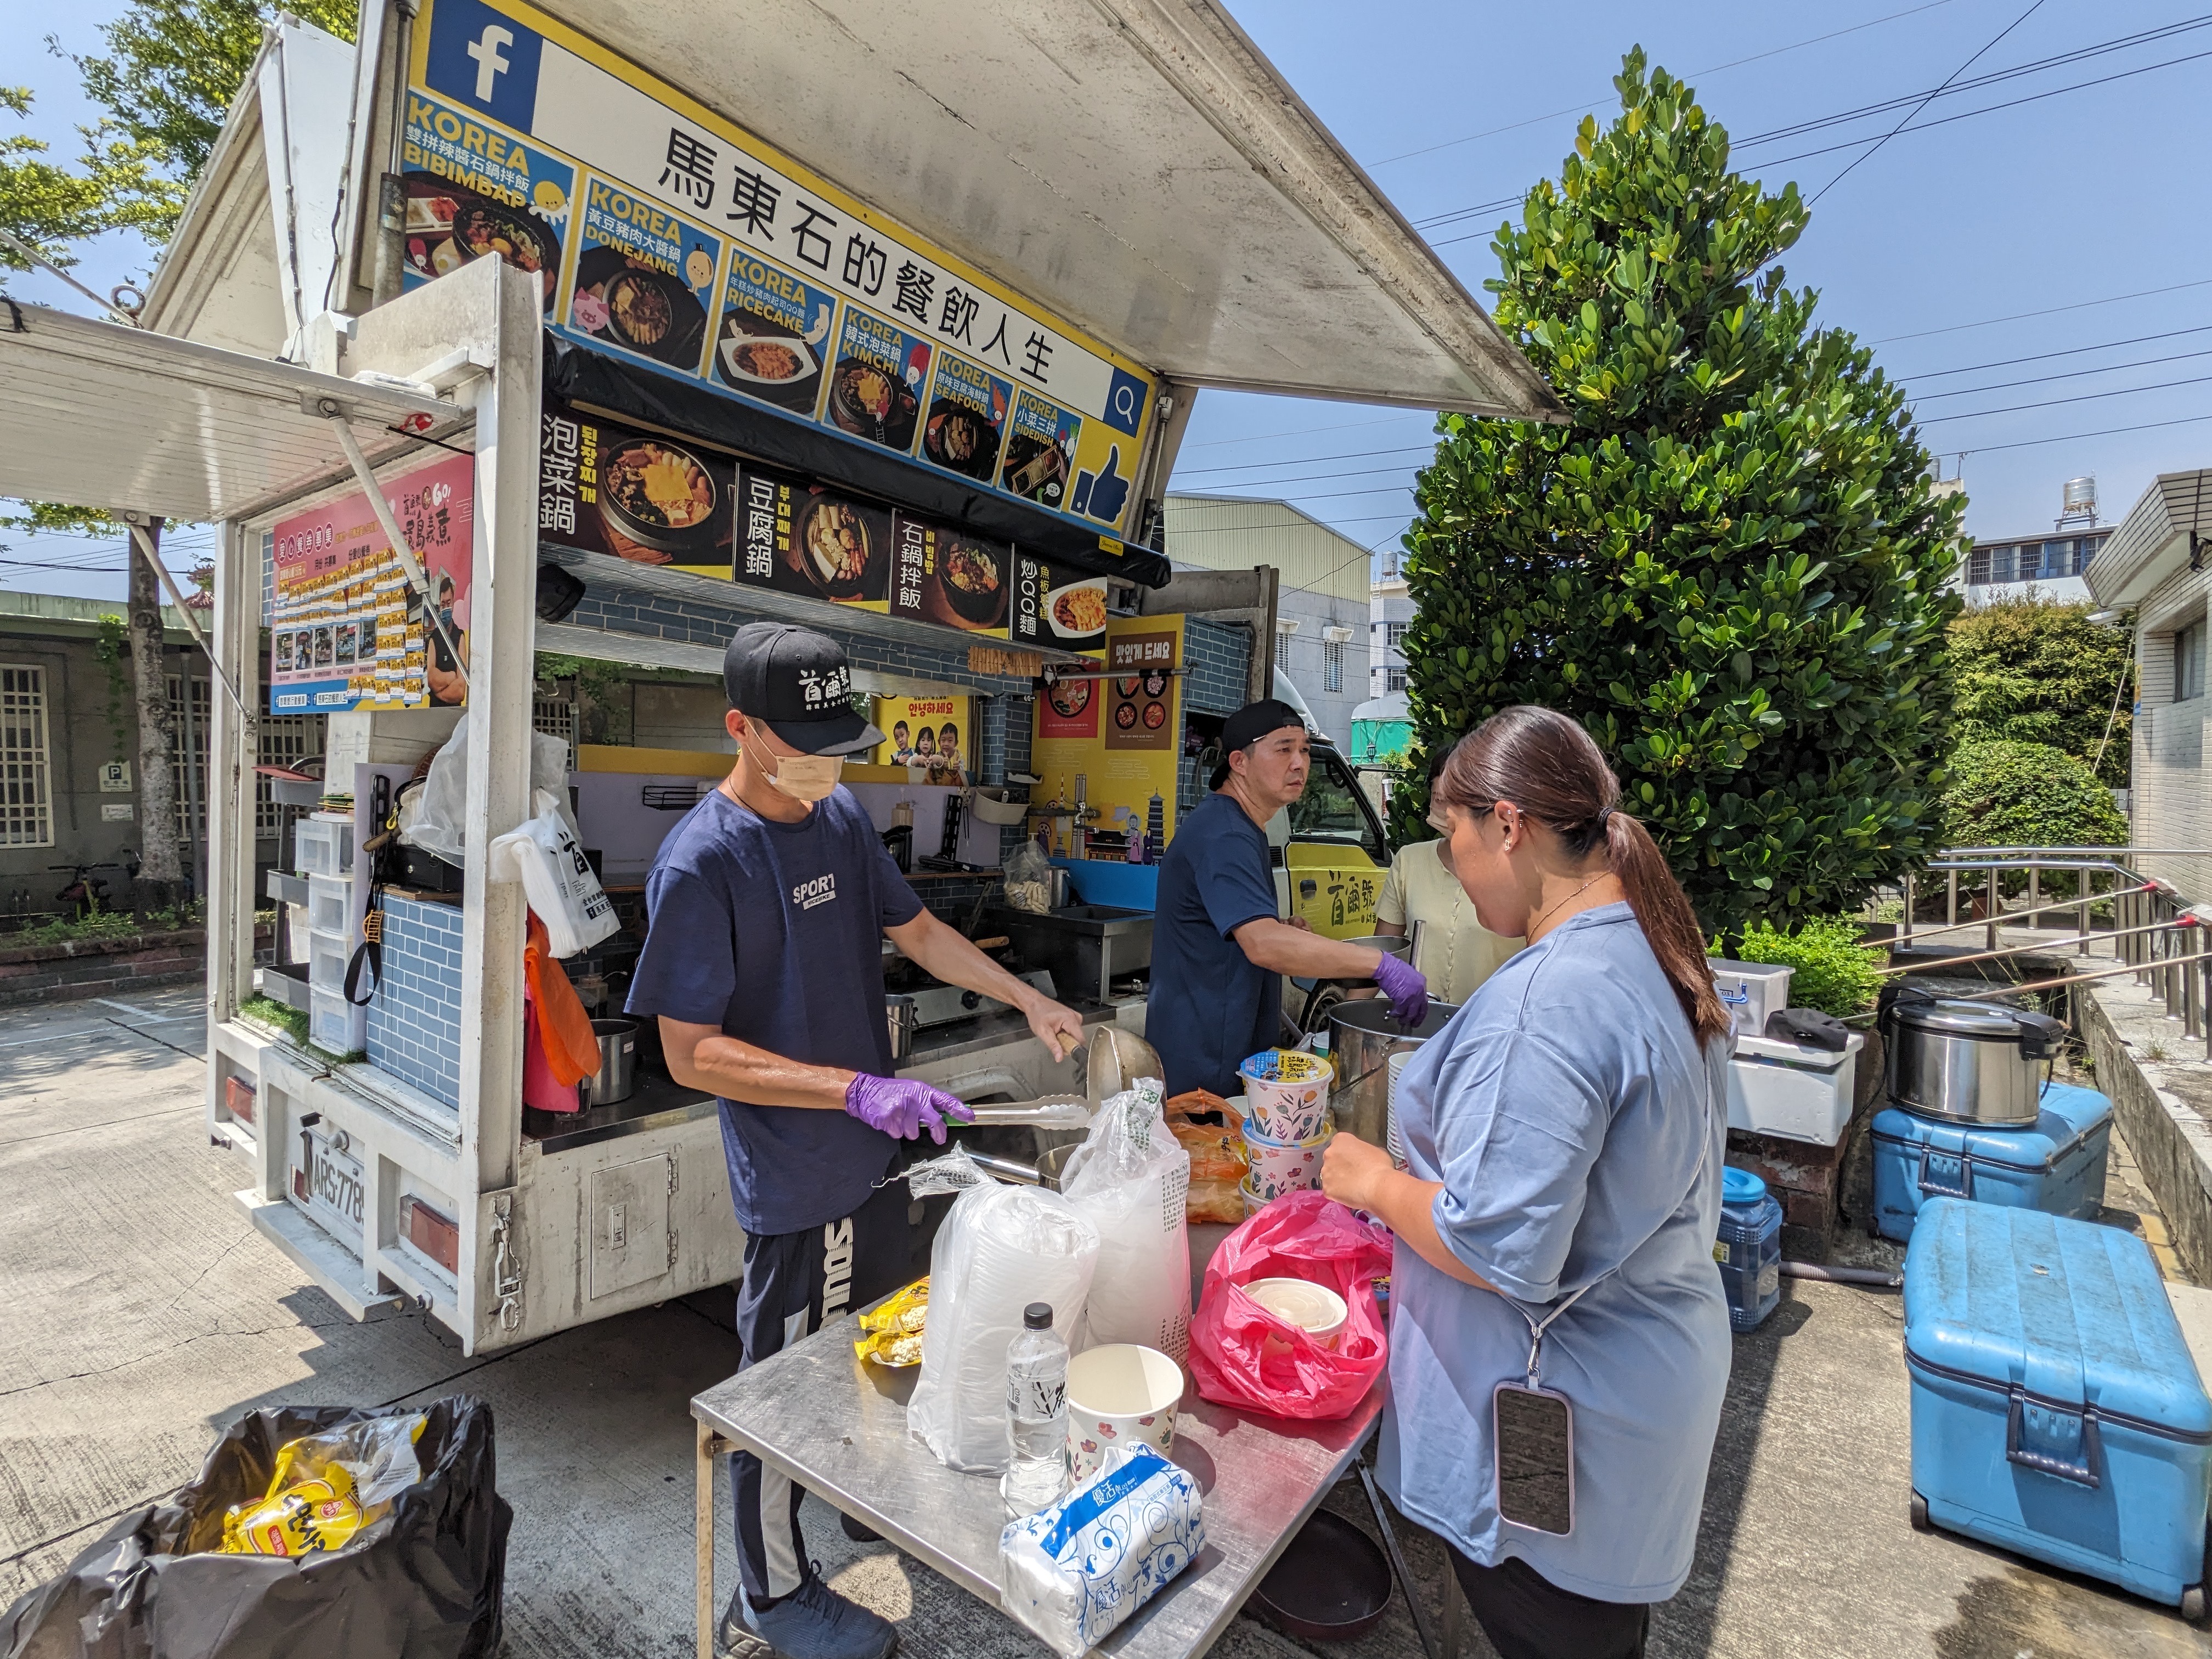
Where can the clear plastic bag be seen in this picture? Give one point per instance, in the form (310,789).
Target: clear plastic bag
(1000,1249)
(1129,1179)
(441,809)
(1029,878)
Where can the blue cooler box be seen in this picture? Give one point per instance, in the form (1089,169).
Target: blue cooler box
(2056,1409)
(2056,1165)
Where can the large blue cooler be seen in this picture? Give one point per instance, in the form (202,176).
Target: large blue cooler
(2056,1164)
(2056,1409)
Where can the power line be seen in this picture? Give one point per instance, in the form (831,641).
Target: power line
(1990,109)
(2044,356)
(2034,6)
(2106,432)
(2047,403)
(1295,477)
(2048,311)
(2071,374)
(1305,461)
(1453,144)
(1917,101)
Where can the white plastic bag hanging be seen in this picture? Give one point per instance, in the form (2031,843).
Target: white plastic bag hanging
(1000,1249)
(440,810)
(556,877)
(1129,1179)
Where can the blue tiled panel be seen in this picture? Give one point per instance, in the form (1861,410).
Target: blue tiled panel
(1216,655)
(414,1018)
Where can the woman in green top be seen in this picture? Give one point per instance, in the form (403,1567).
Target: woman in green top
(1454,952)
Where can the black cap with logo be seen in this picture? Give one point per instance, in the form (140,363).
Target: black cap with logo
(1255,721)
(796,682)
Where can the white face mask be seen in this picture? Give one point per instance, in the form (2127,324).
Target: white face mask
(809,778)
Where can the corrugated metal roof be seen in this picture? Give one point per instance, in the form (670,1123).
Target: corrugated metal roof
(1235,533)
(2152,540)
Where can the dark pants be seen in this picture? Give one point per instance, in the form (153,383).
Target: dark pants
(793,1283)
(1526,1616)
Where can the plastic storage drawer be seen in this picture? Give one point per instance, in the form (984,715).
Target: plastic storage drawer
(1750,991)
(330,904)
(2056,1166)
(323,846)
(334,1024)
(2056,1409)
(328,954)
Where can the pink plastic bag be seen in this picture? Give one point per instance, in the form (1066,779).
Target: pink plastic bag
(1241,1355)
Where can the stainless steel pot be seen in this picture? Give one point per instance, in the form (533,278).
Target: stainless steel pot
(1970,1062)
(900,1014)
(617,1073)
(1362,1037)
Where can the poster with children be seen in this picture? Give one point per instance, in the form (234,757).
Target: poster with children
(933,733)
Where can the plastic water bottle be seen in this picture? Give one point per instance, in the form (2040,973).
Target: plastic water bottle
(1037,1413)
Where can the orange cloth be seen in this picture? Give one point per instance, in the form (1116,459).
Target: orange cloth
(571,1047)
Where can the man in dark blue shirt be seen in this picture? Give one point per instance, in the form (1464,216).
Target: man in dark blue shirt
(1218,950)
(763,967)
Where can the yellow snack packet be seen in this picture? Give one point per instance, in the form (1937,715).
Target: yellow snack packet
(325,1488)
(891,1331)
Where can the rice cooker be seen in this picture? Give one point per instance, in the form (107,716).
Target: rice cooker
(1969,1062)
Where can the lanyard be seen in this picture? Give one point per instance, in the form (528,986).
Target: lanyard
(1538,1327)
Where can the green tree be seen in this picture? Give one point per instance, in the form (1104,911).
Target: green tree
(1728,564)
(2034,671)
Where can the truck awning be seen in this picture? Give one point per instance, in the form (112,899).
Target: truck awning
(1140,167)
(100,416)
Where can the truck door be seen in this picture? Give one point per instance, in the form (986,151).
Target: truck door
(1336,858)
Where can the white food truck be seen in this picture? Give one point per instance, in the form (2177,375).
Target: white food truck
(702,317)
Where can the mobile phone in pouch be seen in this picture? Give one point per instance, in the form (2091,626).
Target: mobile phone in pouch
(1533,1431)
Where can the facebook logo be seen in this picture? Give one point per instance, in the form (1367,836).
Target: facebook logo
(484,59)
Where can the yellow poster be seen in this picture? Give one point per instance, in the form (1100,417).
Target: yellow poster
(935,733)
(660,231)
(1121,735)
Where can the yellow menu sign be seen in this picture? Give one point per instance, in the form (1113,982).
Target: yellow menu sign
(1121,734)
(664,233)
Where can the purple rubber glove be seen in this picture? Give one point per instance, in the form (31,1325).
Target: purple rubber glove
(903,1106)
(1408,992)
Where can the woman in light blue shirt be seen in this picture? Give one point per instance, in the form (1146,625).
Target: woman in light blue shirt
(1564,1137)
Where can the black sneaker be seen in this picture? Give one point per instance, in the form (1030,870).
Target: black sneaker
(812,1622)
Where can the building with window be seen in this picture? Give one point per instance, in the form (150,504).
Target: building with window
(1321,603)
(1389,610)
(66,720)
(2051,566)
(2154,574)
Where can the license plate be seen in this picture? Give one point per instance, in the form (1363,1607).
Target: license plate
(329,1185)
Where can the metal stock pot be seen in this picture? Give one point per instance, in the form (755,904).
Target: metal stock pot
(1362,1037)
(1970,1062)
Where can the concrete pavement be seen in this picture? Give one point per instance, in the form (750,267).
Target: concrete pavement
(142,1312)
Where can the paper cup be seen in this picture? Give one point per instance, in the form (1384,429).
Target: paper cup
(1280,1167)
(1288,1090)
(1313,1309)
(1252,1201)
(1117,1395)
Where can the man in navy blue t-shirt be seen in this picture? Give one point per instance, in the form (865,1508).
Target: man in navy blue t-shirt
(1218,950)
(763,967)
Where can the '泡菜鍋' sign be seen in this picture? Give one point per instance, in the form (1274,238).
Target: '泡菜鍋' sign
(662,233)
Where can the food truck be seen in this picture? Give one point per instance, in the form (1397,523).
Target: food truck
(521,353)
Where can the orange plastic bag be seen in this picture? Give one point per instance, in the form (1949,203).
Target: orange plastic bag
(571,1047)
(1241,1355)
(1217,1161)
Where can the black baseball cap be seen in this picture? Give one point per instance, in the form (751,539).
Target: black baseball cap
(796,682)
(1255,721)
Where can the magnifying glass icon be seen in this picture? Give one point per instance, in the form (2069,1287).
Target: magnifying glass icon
(1125,402)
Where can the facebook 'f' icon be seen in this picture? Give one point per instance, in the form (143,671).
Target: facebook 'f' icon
(485,59)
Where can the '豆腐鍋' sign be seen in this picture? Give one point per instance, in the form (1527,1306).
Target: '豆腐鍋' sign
(663,234)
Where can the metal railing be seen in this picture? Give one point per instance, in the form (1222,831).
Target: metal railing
(2156,934)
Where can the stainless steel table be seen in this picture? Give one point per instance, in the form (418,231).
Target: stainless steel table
(838,1426)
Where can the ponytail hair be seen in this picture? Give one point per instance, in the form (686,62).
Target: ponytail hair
(1548,766)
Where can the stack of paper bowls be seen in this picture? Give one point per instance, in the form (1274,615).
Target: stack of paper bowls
(1288,1127)
(1397,1142)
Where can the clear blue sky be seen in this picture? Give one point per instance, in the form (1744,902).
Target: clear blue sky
(2061,202)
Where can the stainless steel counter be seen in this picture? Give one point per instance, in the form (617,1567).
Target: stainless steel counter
(837,1425)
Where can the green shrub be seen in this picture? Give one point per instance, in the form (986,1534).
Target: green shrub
(1728,564)
(1836,974)
(2034,670)
(2027,794)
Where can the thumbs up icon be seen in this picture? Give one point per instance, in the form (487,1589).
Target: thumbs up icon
(1101,494)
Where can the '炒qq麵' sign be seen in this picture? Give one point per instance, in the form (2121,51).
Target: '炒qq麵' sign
(662,233)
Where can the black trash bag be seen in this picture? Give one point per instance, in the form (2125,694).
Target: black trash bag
(424,1582)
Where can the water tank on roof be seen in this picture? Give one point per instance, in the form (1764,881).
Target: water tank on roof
(2079,502)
